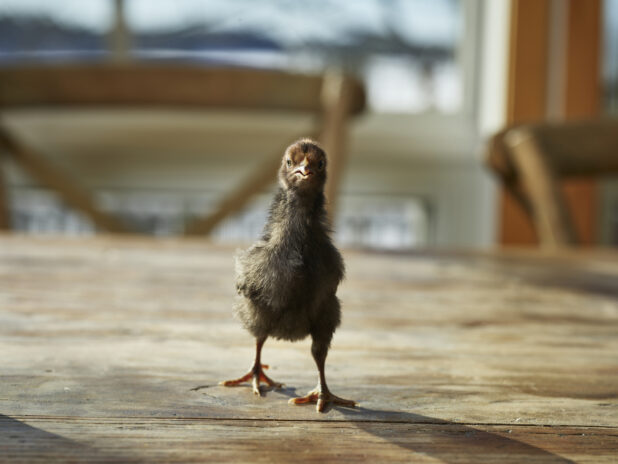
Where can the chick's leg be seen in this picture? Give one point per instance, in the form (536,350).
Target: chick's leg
(321,395)
(256,374)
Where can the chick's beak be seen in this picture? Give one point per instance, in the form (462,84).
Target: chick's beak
(303,170)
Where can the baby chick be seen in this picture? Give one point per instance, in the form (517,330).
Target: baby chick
(287,280)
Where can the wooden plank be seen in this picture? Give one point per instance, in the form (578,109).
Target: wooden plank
(133,84)
(582,97)
(153,320)
(112,348)
(528,46)
(526,97)
(50,177)
(156,440)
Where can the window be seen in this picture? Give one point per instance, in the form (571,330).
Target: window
(417,146)
(41,30)
(407,51)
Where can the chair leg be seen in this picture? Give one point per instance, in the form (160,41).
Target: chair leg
(549,208)
(336,100)
(234,201)
(64,186)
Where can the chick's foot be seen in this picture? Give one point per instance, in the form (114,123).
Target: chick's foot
(322,397)
(256,374)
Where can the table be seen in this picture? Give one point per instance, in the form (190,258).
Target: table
(112,349)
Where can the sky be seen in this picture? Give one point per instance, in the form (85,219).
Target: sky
(287,21)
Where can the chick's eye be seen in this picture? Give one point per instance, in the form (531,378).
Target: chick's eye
(321,165)
(289,162)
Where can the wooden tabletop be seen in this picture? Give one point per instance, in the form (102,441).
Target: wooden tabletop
(111,350)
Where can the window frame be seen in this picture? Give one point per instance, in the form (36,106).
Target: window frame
(422,135)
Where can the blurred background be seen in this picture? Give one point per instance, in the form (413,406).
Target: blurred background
(440,77)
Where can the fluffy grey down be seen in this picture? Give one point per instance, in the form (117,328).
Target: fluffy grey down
(288,279)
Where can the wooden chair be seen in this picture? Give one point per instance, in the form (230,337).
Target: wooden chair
(532,159)
(333,97)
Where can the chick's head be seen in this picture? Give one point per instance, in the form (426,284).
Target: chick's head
(303,166)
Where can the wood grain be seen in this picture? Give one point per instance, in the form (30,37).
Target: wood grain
(37,439)
(112,350)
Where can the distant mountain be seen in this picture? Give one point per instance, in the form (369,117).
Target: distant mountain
(39,38)
(199,38)
(28,34)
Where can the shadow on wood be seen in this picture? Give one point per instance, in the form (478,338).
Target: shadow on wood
(20,442)
(449,441)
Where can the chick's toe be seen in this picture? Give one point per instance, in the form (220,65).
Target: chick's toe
(256,376)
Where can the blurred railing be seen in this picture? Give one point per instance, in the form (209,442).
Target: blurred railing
(382,222)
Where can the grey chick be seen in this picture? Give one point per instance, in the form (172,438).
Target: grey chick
(288,279)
